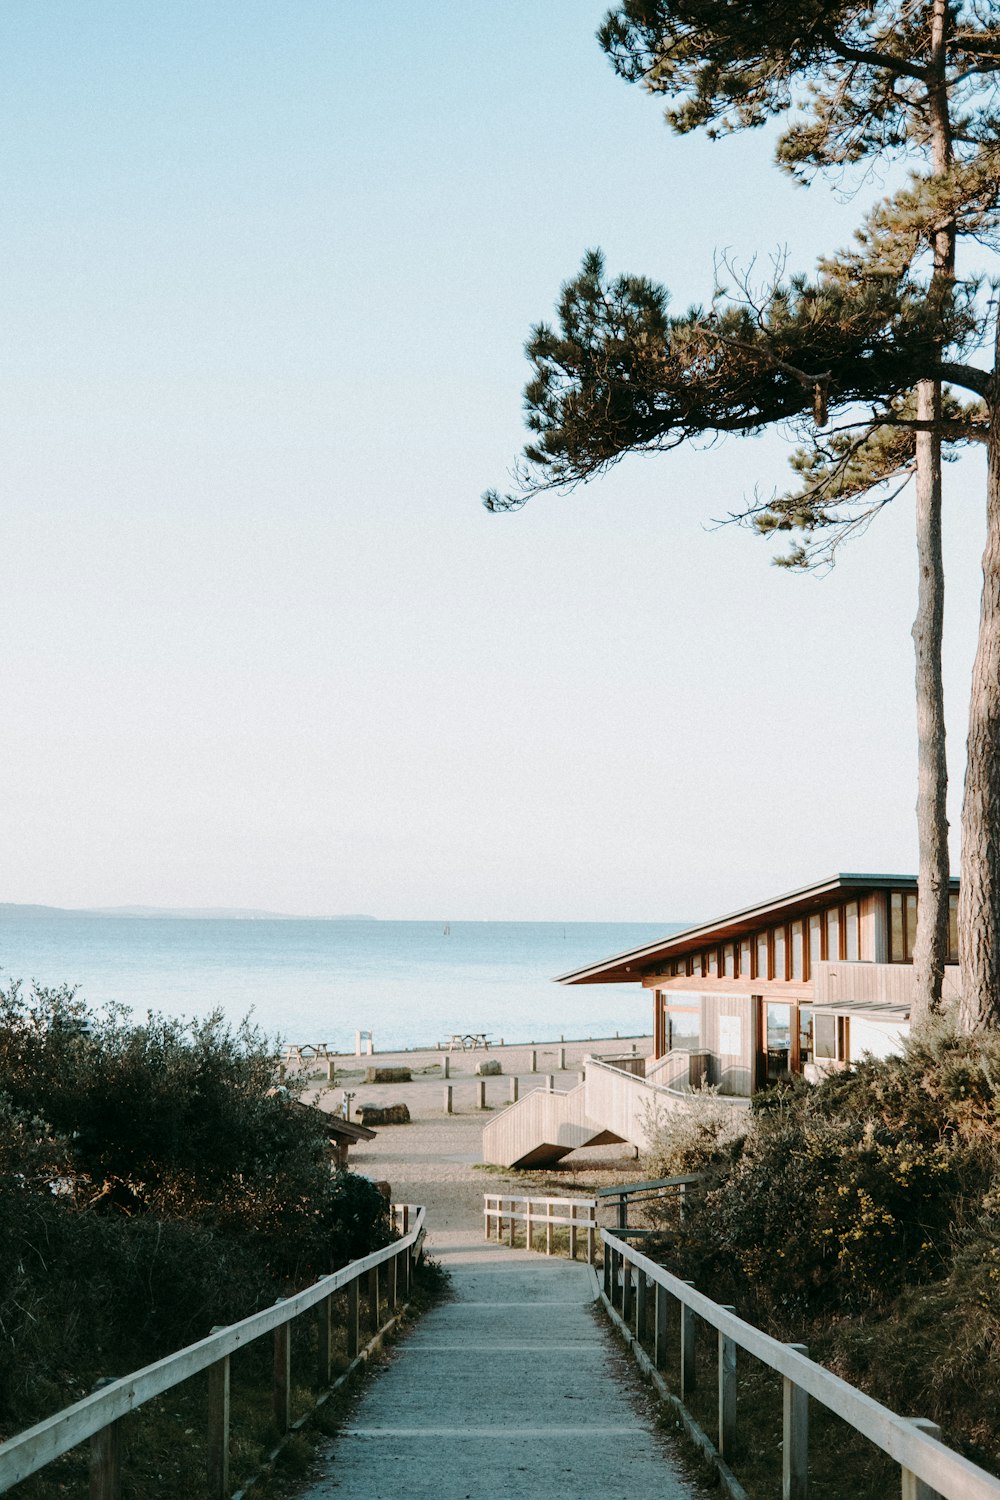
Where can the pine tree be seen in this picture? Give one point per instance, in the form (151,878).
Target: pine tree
(881,326)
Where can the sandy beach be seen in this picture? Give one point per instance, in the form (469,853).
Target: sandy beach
(436,1159)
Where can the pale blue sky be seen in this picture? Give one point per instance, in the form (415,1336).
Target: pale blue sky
(266,276)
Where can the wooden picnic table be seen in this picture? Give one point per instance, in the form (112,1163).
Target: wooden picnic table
(303,1051)
(468,1040)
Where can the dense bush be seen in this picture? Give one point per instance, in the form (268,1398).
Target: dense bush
(152,1184)
(863,1214)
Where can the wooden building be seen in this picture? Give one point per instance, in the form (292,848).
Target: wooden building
(800,984)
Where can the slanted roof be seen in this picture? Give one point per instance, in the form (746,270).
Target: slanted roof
(336,1127)
(638,962)
(865,1010)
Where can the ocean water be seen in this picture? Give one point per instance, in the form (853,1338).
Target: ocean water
(409,983)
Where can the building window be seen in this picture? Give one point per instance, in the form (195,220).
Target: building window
(852,943)
(815,949)
(833,933)
(683,1030)
(780,960)
(805,1034)
(745,958)
(797,958)
(761,969)
(902,926)
(831,1038)
(713,962)
(779,1041)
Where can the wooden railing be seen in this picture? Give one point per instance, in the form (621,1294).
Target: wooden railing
(386,1275)
(538,1213)
(659,1189)
(928,1468)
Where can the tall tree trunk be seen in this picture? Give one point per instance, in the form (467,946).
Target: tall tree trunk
(930,949)
(979,895)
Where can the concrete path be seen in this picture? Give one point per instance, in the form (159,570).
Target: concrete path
(515,1386)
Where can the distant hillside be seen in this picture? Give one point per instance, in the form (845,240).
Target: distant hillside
(10,910)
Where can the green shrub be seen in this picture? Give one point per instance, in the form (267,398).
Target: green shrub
(152,1184)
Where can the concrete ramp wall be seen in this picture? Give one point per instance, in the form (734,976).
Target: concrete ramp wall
(541,1128)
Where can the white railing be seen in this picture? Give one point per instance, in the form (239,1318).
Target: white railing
(98,1415)
(541,1213)
(929,1468)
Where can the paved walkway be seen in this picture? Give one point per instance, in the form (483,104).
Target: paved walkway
(514,1386)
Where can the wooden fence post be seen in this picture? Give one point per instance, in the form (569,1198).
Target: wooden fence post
(324,1321)
(608,1283)
(626,1292)
(406,1218)
(548,1229)
(688,1333)
(448,1100)
(913,1488)
(795,1437)
(218,1427)
(487,1205)
(572,1231)
(106,1458)
(373,1299)
(727,1392)
(281,1391)
(660,1309)
(641,1308)
(394,1283)
(353,1320)
(592,1244)
(513,1221)
(447,1066)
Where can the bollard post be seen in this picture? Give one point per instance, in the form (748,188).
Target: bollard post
(447,1066)
(512,1086)
(562,1059)
(795,1437)
(534,1061)
(550,1083)
(481,1091)
(447,1099)
(331,1070)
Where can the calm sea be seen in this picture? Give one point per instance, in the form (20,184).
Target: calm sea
(410,983)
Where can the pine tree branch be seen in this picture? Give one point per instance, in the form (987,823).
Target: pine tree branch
(970,377)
